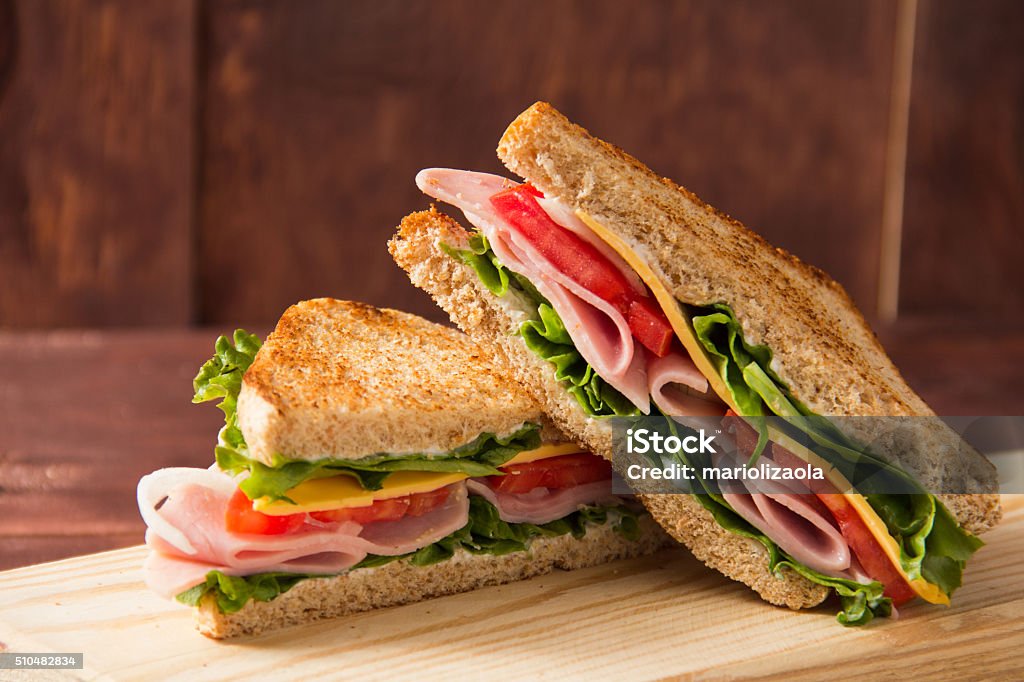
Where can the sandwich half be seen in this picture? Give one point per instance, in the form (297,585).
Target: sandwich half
(371,458)
(614,292)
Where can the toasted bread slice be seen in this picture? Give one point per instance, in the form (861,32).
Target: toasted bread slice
(345,380)
(401,582)
(823,348)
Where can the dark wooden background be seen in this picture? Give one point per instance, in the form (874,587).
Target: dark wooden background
(171,169)
(180,163)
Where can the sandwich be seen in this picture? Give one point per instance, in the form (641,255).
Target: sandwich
(371,458)
(614,295)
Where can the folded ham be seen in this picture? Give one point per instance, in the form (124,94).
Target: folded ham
(185,508)
(542,505)
(678,388)
(599,332)
(788,511)
(188,536)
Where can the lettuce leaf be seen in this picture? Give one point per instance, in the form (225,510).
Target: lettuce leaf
(485,264)
(480,457)
(548,339)
(720,334)
(233,592)
(546,334)
(221,378)
(484,533)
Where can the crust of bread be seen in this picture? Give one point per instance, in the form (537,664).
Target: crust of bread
(402,583)
(456,288)
(384,381)
(823,348)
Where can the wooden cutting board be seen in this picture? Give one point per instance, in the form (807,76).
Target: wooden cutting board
(659,616)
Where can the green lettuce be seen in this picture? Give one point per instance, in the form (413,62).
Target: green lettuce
(481,457)
(221,378)
(234,592)
(485,264)
(546,334)
(548,338)
(722,338)
(484,533)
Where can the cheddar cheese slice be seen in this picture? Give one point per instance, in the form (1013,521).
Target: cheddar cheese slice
(343,491)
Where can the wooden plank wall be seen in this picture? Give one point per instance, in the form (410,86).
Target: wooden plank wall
(213,161)
(964,228)
(96,162)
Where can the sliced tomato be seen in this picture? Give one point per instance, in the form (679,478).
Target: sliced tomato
(421,503)
(518,478)
(554,473)
(650,327)
(573,470)
(532,190)
(382,510)
(743,433)
(391,509)
(864,545)
(242,518)
(568,252)
(580,260)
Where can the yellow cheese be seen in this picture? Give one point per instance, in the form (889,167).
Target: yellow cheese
(343,491)
(680,323)
(684,330)
(545,451)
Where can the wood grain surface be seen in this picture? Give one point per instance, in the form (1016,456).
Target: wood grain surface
(652,618)
(964,224)
(96,102)
(317,116)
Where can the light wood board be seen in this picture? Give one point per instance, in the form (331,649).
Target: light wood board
(655,617)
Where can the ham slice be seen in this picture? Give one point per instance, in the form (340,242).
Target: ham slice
(788,512)
(542,505)
(169,575)
(795,525)
(195,510)
(678,388)
(599,332)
